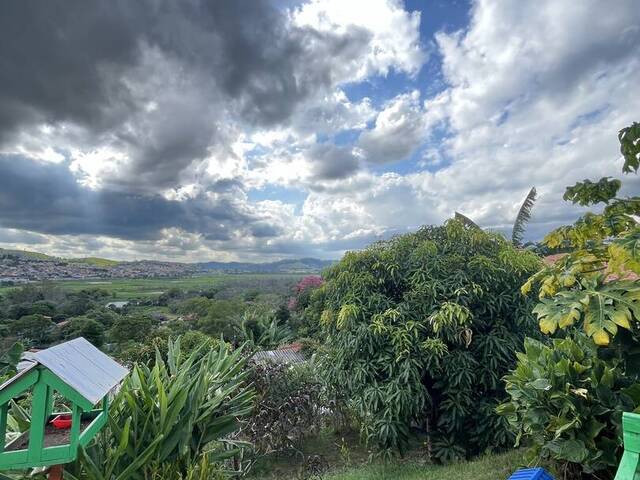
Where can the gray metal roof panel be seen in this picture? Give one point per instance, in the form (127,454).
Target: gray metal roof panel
(83,367)
(278,356)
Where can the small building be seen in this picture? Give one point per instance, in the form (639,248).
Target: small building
(80,373)
(285,355)
(117,305)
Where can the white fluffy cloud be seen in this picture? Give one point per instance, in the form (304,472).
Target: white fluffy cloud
(534,94)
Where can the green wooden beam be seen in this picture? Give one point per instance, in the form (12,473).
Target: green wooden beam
(38,420)
(76,421)
(20,385)
(93,428)
(3,425)
(629,467)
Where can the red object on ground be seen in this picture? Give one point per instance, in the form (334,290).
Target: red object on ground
(62,422)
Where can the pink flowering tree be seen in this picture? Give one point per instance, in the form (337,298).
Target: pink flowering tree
(302,292)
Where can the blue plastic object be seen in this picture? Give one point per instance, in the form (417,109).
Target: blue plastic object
(531,474)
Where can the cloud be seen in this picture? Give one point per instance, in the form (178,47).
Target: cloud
(331,162)
(46,198)
(139,129)
(398,131)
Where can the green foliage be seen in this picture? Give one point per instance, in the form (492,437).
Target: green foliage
(287,407)
(420,329)
(260,328)
(466,221)
(567,402)
(523,217)
(596,283)
(131,328)
(9,360)
(167,418)
(147,351)
(34,328)
(589,193)
(629,138)
(85,327)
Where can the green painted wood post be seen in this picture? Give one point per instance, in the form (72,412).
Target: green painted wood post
(49,408)
(74,438)
(36,431)
(628,467)
(3,425)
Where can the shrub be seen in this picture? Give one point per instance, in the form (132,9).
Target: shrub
(287,407)
(163,417)
(420,329)
(131,328)
(260,328)
(85,327)
(567,402)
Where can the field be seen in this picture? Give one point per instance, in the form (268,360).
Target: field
(353,464)
(140,288)
(490,467)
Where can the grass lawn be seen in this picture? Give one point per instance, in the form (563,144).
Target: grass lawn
(326,445)
(490,467)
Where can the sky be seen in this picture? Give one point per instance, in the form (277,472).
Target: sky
(259,130)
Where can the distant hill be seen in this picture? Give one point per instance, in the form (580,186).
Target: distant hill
(95,261)
(301,265)
(26,254)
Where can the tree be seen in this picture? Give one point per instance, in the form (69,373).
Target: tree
(595,285)
(523,217)
(131,328)
(420,329)
(520,223)
(85,327)
(36,328)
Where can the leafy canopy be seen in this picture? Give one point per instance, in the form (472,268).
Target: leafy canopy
(567,402)
(420,329)
(596,284)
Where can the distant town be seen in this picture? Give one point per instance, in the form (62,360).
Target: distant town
(22,267)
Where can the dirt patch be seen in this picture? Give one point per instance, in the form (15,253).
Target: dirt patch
(52,437)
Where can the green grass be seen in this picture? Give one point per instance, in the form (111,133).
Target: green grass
(489,467)
(140,288)
(95,261)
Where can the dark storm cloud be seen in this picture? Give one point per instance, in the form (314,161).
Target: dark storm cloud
(100,65)
(45,198)
(59,61)
(331,162)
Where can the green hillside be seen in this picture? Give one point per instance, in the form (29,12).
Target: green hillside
(26,254)
(96,261)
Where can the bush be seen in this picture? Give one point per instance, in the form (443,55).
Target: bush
(261,329)
(287,407)
(131,328)
(420,329)
(163,417)
(85,327)
(567,402)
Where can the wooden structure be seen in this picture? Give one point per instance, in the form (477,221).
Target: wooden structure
(80,373)
(628,468)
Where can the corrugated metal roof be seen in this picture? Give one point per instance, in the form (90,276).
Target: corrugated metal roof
(278,356)
(83,367)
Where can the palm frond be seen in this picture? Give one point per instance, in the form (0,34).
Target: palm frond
(466,220)
(524,215)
